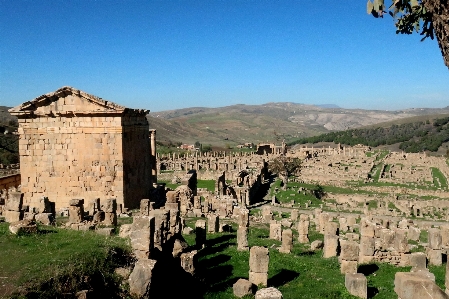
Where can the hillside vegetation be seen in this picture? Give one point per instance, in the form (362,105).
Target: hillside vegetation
(271,122)
(412,137)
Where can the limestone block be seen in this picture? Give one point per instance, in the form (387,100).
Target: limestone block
(110,205)
(286,223)
(387,238)
(418,260)
(367,245)
(125,230)
(175,207)
(110,219)
(435,257)
(140,278)
(258,260)
(179,246)
(213,223)
(303,239)
(348,267)
(303,217)
(200,233)
(287,241)
(12,216)
(243,217)
(75,214)
(349,250)
(317,244)
(258,278)
(14,201)
(366,259)
(330,246)
(352,237)
(29,216)
(242,288)
(413,233)
(44,205)
(23,227)
(294,215)
(444,235)
(367,228)
(331,228)
(44,218)
(98,216)
(187,230)
(408,285)
(356,285)
(400,240)
(142,235)
(145,206)
(275,231)
(268,293)
(188,261)
(435,239)
(323,218)
(242,239)
(303,227)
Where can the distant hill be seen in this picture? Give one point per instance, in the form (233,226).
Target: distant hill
(328,106)
(415,134)
(268,122)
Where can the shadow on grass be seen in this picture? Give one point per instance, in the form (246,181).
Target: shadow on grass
(372,291)
(283,277)
(367,269)
(307,253)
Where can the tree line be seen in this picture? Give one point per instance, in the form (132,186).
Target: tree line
(412,137)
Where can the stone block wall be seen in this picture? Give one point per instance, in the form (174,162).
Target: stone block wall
(74,145)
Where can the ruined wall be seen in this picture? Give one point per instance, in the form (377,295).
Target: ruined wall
(136,160)
(7,181)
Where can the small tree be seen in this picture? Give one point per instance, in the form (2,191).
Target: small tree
(285,167)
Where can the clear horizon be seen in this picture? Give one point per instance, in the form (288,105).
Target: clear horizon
(166,55)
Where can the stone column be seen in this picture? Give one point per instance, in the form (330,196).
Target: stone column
(13,207)
(287,241)
(76,210)
(110,209)
(142,236)
(303,228)
(275,230)
(330,237)
(349,255)
(367,241)
(153,156)
(434,253)
(213,223)
(258,265)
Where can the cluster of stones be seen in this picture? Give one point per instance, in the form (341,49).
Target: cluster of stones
(96,214)
(156,231)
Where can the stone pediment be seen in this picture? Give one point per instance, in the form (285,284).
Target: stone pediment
(68,100)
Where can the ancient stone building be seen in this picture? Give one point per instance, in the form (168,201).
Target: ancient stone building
(76,145)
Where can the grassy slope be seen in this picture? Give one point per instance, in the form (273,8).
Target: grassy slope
(57,260)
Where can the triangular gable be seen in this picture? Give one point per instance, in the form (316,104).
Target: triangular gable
(66,100)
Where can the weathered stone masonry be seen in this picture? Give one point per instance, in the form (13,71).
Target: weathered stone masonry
(75,145)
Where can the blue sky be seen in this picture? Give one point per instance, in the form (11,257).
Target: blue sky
(163,55)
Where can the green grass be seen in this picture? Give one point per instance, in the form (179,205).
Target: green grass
(439,180)
(59,260)
(209,184)
(300,274)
